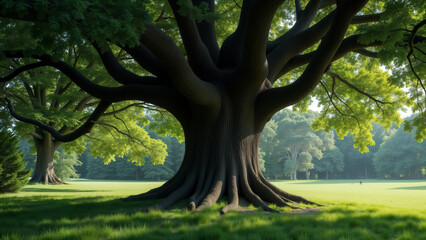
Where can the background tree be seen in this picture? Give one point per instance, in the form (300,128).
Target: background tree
(65,164)
(12,174)
(357,164)
(400,156)
(330,163)
(294,145)
(213,81)
(45,96)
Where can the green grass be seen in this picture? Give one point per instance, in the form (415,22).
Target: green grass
(92,210)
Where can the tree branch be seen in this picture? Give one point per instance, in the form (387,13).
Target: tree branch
(207,31)
(146,60)
(198,55)
(335,107)
(272,100)
(367,53)
(294,42)
(36,135)
(118,72)
(85,128)
(178,70)
(161,95)
(299,9)
(349,44)
(326,3)
(410,53)
(251,38)
(121,132)
(335,75)
(22,69)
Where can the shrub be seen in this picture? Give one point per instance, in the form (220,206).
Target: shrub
(12,174)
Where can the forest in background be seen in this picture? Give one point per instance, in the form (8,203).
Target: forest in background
(289,149)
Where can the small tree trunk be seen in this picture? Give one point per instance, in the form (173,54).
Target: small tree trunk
(365,169)
(308,175)
(326,175)
(44,171)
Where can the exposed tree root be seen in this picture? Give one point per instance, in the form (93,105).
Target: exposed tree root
(47,178)
(204,188)
(219,162)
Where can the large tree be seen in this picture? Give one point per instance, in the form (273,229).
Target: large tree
(46,96)
(293,144)
(223,83)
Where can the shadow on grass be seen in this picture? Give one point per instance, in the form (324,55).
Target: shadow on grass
(412,188)
(107,218)
(348,181)
(45,190)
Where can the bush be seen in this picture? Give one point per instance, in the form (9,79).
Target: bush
(12,174)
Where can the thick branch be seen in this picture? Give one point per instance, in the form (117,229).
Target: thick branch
(118,72)
(146,60)
(367,53)
(291,44)
(326,3)
(298,9)
(198,55)
(178,70)
(252,38)
(207,31)
(248,42)
(161,95)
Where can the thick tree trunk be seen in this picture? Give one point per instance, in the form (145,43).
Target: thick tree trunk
(44,171)
(221,159)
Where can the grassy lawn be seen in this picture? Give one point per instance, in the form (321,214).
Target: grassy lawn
(92,210)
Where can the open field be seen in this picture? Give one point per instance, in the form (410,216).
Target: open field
(91,210)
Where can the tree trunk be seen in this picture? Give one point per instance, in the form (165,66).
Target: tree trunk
(308,175)
(44,171)
(221,159)
(326,175)
(365,170)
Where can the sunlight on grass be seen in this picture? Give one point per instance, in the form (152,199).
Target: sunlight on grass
(92,210)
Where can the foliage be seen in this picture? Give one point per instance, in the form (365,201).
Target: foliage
(12,174)
(123,168)
(400,156)
(65,164)
(290,145)
(347,111)
(331,162)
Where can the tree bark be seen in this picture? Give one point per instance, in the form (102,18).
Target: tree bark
(44,171)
